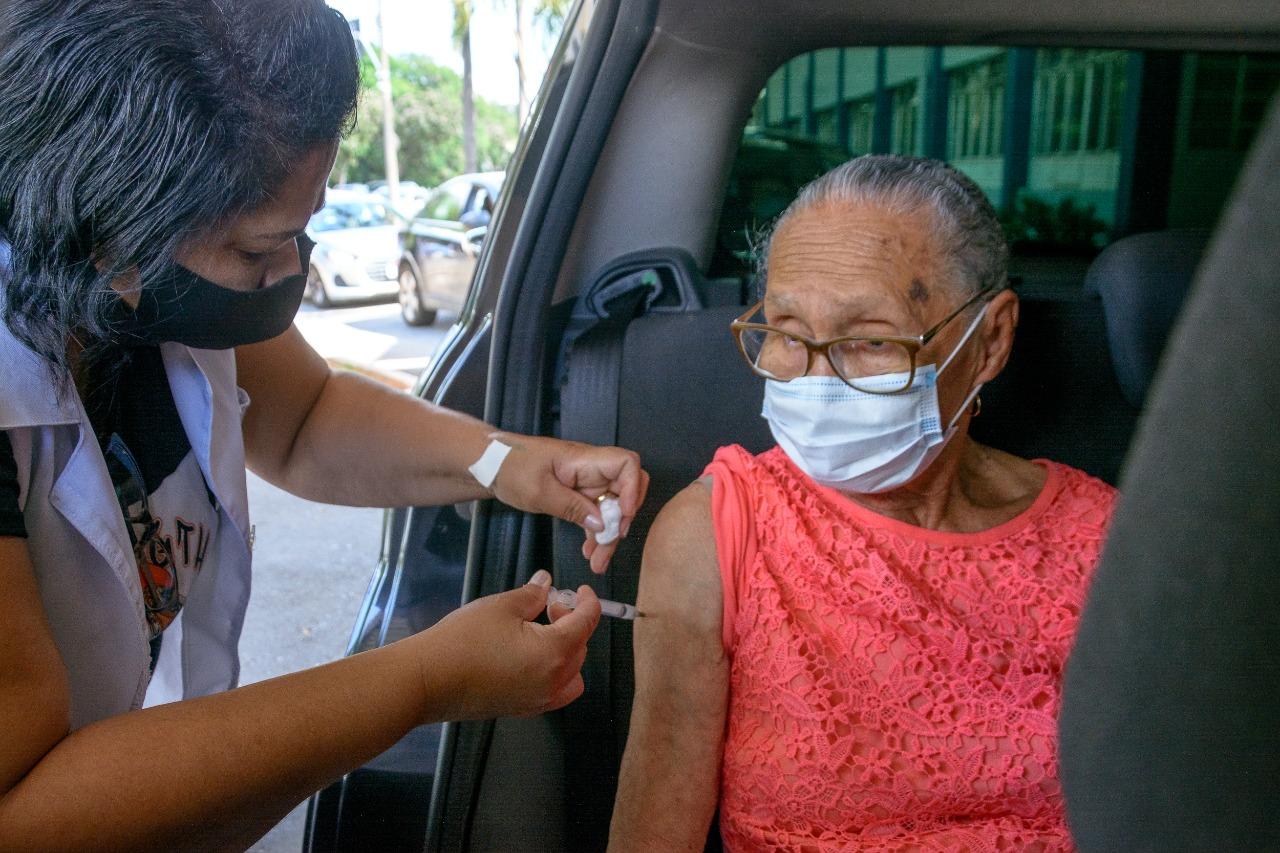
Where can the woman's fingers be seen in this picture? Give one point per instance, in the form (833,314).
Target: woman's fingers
(564,478)
(502,662)
(601,555)
(576,626)
(593,471)
(571,691)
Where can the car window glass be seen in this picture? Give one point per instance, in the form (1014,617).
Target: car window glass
(338,215)
(1074,147)
(475,200)
(442,205)
(448,201)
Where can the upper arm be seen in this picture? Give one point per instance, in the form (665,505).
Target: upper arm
(669,781)
(34,693)
(680,591)
(284,378)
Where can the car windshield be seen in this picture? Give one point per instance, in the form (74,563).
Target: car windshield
(351,214)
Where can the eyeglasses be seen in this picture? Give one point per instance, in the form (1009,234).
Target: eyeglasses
(156,570)
(880,364)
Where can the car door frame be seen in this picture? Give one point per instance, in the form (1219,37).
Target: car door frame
(547,177)
(502,539)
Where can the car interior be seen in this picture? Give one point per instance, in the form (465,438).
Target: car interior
(1108,134)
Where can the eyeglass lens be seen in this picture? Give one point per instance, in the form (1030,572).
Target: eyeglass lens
(861,363)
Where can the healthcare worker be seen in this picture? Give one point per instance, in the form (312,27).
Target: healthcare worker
(159,160)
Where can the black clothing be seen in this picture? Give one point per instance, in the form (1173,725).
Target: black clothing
(11,523)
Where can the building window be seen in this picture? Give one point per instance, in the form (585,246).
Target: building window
(827,125)
(975,110)
(906,112)
(1229,97)
(862,119)
(1078,100)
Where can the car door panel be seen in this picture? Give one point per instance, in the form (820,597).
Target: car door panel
(440,252)
(418,581)
(424,542)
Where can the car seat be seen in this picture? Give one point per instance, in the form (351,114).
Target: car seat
(1170,724)
(1082,361)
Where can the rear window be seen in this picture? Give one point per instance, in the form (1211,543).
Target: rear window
(1074,147)
(351,214)
(447,202)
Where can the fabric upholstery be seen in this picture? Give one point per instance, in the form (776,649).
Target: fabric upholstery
(1058,397)
(1170,728)
(1143,280)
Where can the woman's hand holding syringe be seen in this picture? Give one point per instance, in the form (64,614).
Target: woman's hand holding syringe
(568,599)
(611,514)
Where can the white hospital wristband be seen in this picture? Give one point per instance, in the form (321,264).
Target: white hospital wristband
(485,470)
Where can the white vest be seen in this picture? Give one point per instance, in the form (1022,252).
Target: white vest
(80,548)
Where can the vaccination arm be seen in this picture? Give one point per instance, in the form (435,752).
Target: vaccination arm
(670,777)
(338,437)
(215,773)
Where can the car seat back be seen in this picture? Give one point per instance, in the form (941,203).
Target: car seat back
(1143,280)
(1058,397)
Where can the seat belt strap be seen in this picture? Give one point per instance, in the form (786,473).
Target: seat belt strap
(589,413)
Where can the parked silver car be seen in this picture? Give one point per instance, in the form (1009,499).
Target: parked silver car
(357,251)
(440,246)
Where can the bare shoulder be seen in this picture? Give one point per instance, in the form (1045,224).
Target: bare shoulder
(680,574)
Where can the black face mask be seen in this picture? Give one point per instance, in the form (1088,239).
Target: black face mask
(180,306)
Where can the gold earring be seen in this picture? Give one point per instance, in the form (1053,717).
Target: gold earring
(977,406)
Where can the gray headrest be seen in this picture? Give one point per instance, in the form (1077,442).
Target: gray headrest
(1143,280)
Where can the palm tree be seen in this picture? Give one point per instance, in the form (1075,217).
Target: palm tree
(551,14)
(522,104)
(462,38)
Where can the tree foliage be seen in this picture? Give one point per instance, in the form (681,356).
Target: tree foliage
(428,104)
(551,14)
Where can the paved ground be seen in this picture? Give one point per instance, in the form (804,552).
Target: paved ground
(312,562)
(372,335)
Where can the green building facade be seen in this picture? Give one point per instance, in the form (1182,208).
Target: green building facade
(1146,139)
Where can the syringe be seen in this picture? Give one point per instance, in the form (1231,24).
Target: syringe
(569,599)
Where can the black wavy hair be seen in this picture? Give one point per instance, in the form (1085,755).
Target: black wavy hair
(129,126)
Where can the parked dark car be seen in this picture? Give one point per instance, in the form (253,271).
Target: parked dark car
(440,246)
(613,265)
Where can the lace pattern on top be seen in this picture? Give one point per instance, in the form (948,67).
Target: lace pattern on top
(894,688)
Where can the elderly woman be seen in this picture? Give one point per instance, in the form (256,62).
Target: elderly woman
(856,639)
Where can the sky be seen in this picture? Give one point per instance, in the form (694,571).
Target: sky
(426,27)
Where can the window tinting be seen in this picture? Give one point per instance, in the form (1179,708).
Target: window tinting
(1074,146)
(448,202)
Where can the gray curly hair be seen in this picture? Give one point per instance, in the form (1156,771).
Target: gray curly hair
(973,242)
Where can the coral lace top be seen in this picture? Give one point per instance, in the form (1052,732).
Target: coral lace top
(894,688)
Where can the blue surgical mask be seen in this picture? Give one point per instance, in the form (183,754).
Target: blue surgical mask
(858,442)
